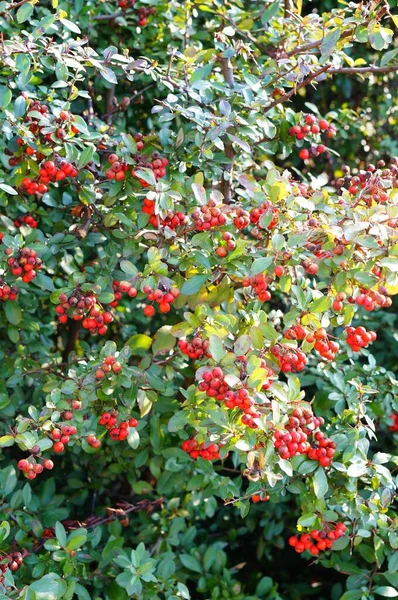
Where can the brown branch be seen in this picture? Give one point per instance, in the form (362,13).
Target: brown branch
(367,69)
(226,187)
(18,4)
(72,339)
(294,91)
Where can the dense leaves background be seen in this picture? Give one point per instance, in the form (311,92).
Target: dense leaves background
(208,84)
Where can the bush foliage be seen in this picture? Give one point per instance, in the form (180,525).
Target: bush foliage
(198,266)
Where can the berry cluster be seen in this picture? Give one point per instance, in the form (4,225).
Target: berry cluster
(312,128)
(291,360)
(394,426)
(371,299)
(338,302)
(326,348)
(242,218)
(259,498)
(142,12)
(7,292)
(84,308)
(209,216)
(228,244)
(157,164)
(108,366)
(14,561)
(120,288)
(163,297)
(63,123)
(171,220)
(372,183)
(309,266)
(93,441)
(214,384)
(62,437)
(116,431)
(198,348)
(26,220)
(259,283)
(300,426)
(317,540)
(264,209)
(295,332)
(194,449)
(358,337)
(49,172)
(31,468)
(117,169)
(25,263)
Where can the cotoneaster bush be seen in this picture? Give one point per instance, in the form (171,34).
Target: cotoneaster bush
(197,302)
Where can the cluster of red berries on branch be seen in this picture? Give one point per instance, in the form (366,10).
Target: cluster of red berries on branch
(109,366)
(64,122)
(372,183)
(295,332)
(26,220)
(338,302)
(163,297)
(61,437)
(24,264)
(318,540)
(143,12)
(120,288)
(173,220)
(209,216)
(194,449)
(266,208)
(309,266)
(93,441)
(358,337)
(196,349)
(371,299)
(83,307)
(31,468)
(49,172)
(14,561)
(228,244)
(394,426)
(116,431)
(294,439)
(119,167)
(259,283)
(325,347)
(291,360)
(241,218)
(311,129)
(7,292)
(214,385)
(259,498)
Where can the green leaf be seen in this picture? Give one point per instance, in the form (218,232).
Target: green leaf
(329,42)
(216,348)
(76,539)
(8,189)
(128,267)
(60,534)
(5,96)
(320,483)
(6,441)
(133,438)
(13,312)
(86,156)
(242,345)
(307,520)
(140,342)
(191,563)
(70,25)
(386,591)
(24,12)
(320,305)
(193,285)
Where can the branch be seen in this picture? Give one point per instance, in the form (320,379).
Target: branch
(293,91)
(226,188)
(368,69)
(17,4)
